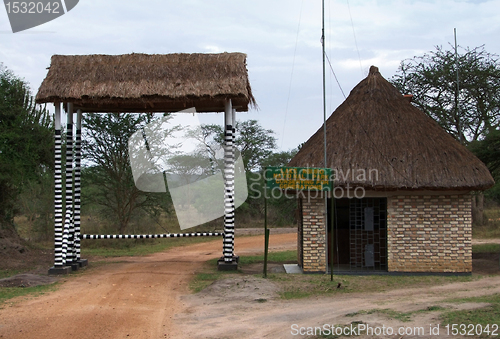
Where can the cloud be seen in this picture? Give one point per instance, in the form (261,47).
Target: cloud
(386,32)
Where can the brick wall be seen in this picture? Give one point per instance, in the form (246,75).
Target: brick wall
(430,233)
(313,235)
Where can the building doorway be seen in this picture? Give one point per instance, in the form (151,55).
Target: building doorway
(359,234)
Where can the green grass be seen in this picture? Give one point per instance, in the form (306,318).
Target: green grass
(484,316)
(9,273)
(392,314)
(7,293)
(209,273)
(486,248)
(280,257)
(296,286)
(203,280)
(491,229)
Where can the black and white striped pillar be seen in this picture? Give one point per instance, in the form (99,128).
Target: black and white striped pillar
(59,258)
(77,190)
(65,243)
(69,186)
(58,193)
(228,242)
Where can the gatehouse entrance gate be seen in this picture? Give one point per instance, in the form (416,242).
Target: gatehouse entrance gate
(138,83)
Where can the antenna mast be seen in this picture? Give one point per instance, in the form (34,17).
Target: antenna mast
(457,93)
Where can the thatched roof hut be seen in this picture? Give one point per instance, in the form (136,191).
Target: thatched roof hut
(377,128)
(148,83)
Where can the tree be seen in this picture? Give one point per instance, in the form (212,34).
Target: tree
(257,146)
(468,113)
(254,142)
(488,151)
(105,149)
(279,158)
(26,142)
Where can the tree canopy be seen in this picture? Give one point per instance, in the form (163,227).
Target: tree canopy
(108,171)
(26,141)
(254,142)
(468,112)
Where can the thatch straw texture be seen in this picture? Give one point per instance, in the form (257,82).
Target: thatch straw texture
(148,83)
(378,129)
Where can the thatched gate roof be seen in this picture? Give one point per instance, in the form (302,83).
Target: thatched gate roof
(376,128)
(148,83)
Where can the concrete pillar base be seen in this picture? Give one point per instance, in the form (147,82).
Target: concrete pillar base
(59,270)
(83,262)
(228,266)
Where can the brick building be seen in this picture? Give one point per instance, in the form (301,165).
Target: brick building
(402,189)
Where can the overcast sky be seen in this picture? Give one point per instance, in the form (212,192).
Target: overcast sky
(281,39)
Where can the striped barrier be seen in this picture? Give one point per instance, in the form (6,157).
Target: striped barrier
(150,236)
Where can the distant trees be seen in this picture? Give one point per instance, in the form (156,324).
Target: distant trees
(107,175)
(26,143)
(254,142)
(488,150)
(468,113)
(108,171)
(257,146)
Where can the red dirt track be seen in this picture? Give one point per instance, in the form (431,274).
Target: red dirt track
(135,298)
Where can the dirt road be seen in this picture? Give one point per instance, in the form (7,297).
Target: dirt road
(147,297)
(233,309)
(135,298)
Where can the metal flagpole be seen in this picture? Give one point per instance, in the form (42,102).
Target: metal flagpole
(324,123)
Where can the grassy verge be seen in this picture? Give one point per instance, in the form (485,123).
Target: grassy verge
(9,273)
(295,286)
(483,320)
(275,257)
(301,286)
(486,248)
(7,293)
(392,314)
(209,273)
(491,228)
(484,316)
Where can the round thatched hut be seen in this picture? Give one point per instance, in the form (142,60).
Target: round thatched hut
(402,189)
